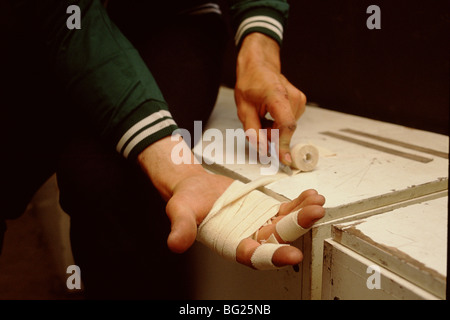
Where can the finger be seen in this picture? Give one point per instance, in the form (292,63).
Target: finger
(183,227)
(247,113)
(306,218)
(295,204)
(310,215)
(296,98)
(283,256)
(279,107)
(251,122)
(249,117)
(287,255)
(286,121)
(310,200)
(316,199)
(301,106)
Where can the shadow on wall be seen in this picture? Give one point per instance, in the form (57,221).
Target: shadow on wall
(398,74)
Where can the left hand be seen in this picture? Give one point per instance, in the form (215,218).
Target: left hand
(261,88)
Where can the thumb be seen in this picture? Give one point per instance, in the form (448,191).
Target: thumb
(183,226)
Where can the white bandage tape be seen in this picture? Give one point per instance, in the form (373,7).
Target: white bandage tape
(236,215)
(262,256)
(239,213)
(288,228)
(304,157)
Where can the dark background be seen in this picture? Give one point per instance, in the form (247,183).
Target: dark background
(398,74)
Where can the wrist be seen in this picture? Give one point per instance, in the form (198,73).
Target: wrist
(156,162)
(257,49)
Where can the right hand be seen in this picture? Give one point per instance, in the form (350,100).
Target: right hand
(191,192)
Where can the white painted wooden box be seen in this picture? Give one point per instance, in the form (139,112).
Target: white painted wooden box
(350,276)
(401,254)
(366,167)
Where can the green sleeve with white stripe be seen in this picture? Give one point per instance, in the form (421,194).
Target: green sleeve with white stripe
(105,76)
(265,16)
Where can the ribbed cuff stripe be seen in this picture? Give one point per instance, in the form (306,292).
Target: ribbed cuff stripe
(141,130)
(264,22)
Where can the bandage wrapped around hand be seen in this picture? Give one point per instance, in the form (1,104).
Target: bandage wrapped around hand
(238,214)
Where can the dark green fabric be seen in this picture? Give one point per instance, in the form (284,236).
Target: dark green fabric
(99,70)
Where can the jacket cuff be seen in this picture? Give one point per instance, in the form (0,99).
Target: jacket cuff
(263,20)
(147,124)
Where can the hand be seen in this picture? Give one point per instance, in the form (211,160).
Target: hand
(194,197)
(311,203)
(190,192)
(261,88)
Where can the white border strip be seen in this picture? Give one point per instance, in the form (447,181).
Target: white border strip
(146,133)
(141,124)
(259,21)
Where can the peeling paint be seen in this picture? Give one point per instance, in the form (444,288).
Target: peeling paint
(352,230)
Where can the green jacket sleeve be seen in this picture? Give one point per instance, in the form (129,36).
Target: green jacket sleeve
(265,16)
(103,73)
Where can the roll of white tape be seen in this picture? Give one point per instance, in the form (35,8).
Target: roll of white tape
(304,157)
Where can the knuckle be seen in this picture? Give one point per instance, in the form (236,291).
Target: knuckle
(290,126)
(280,89)
(301,98)
(309,192)
(277,95)
(241,114)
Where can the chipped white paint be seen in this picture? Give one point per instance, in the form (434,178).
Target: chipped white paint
(410,241)
(354,179)
(345,278)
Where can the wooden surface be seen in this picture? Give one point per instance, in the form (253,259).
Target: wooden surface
(352,177)
(215,278)
(346,273)
(361,171)
(313,242)
(410,241)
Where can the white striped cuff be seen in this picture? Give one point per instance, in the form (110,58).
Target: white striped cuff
(262,22)
(143,129)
